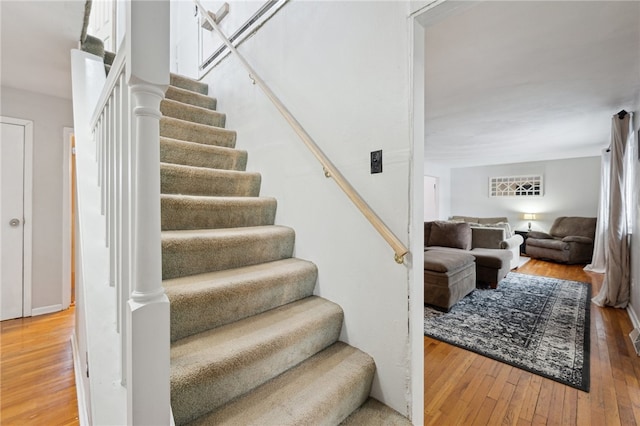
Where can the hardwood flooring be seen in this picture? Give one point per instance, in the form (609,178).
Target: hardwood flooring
(37,383)
(463,388)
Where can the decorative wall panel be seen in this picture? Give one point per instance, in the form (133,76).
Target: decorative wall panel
(516,186)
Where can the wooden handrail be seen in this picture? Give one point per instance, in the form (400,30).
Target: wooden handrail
(329,168)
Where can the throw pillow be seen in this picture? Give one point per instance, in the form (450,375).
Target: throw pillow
(450,234)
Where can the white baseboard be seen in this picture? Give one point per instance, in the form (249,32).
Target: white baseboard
(83,417)
(634,318)
(46,310)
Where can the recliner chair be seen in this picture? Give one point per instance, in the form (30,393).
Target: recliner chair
(570,240)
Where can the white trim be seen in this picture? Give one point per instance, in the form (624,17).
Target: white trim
(65,289)
(46,310)
(27,210)
(632,316)
(83,417)
(28,217)
(415,408)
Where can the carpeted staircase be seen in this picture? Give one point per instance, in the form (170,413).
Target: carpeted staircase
(250,343)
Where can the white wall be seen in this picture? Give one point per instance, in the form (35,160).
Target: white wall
(571,188)
(349,84)
(49,115)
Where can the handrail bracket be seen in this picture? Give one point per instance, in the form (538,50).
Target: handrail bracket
(217,17)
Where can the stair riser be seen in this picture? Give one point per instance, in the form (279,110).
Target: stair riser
(221,383)
(217,302)
(195,181)
(170,108)
(205,214)
(182,257)
(194,132)
(199,155)
(190,98)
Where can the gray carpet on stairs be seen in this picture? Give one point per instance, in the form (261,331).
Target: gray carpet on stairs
(251,345)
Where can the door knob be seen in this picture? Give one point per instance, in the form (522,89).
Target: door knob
(14,222)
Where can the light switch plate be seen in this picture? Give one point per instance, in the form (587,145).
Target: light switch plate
(376,161)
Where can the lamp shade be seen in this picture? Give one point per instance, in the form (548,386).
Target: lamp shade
(529,216)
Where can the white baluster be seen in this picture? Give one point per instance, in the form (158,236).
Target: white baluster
(117,205)
(111,215)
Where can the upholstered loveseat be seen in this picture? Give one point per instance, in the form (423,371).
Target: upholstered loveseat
(570,240)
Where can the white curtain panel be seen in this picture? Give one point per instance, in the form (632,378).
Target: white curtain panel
(616,289)
(599,259)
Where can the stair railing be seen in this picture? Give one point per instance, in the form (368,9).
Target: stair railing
(126,132)
(330,170)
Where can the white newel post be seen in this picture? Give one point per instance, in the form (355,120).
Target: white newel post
(147,74)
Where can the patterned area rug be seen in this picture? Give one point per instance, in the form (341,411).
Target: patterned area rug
(534,323)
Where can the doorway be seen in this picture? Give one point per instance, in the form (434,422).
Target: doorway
(16,156)
(102,22)
(431,197)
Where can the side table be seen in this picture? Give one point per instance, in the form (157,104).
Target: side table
(523,247)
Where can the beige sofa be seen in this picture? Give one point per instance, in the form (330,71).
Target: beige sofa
(493,233)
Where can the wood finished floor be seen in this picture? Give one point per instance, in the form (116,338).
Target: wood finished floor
(463,388)
(37,383)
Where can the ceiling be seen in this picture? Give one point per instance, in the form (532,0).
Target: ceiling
(35,40)
(518,81)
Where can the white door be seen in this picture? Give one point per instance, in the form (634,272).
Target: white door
(431,208)
(101,22)
(12,154)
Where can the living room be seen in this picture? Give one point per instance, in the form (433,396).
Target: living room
(528,90)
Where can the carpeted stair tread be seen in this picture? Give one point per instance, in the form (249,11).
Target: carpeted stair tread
(191,98)
(323,390)
(175,128)
(200,155)
(206,250)
(109,57)
(192,113)
(201,212)
(93,45)
(211,368)
(375,413)
(205,301)
(189,180)
(188,84)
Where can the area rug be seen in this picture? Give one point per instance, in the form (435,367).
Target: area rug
(538,324)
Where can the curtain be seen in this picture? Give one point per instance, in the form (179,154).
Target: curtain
(599,261)
(615,289)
